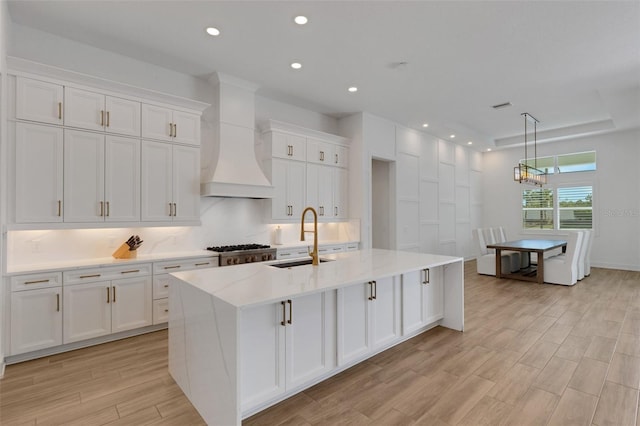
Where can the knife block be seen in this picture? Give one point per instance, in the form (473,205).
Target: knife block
(123,252)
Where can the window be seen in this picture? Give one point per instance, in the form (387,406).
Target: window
(574,208)
(578,162)
(545,164)
(537,209)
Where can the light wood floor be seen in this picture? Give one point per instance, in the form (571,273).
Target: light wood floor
(530,354)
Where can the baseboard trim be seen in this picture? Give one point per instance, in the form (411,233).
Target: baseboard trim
(622,267)
(14,359)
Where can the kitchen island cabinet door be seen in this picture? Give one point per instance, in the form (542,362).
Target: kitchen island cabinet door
(434,295)
(412,301)
(385,314)
(157,181)
(262,354)
(87,311)
(122,179)
(310,338)
(83,177)
(39,175)
(353,322)
(36,319)
(186,183)
(131,303)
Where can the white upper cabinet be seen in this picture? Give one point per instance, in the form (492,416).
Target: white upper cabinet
(341,156)
(285,145)
(122,179)
(95,111)
(38,173)
(170,182)
(39,101)
(168,125)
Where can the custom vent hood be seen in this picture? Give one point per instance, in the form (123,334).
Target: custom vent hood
(229,165)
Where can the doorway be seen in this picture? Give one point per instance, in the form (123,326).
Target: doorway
(382,204)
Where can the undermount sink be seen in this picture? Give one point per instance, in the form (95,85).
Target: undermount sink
(295,263)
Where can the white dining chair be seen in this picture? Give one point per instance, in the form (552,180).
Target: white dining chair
(586,238)
(524,257)
(587,257)
(563,268)
(486,260)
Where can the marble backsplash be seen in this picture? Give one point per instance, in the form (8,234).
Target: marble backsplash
(224,221)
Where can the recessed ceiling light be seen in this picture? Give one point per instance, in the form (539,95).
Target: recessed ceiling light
(212,31)
(488,149)
(296,65)
(300,20)
(352,89)
(425,125)
(469,143)
(452,136)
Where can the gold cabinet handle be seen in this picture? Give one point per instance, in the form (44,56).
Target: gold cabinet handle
(114,294)
(175,130)
(336,210)
(101,208)
(284,313)
(59,110)
(166,286)
(108,295)
(90,276)
(166,310)
(36,282)
(133,271)
(170,209)
(370,290)
(59,208)
(108,120)
(170,129)
(426,276)
(107,203)
(375,289)
(202,264)
(172,267)
(321,155)
(336,158)
(102,117)
(175,210)
(57,302)
(290,320)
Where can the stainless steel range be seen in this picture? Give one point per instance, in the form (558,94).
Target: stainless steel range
(243,253)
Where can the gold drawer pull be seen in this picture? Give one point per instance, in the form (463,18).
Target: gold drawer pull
(172,267)
(37,281)
(131,271)
(114,294)
(59,208)
(57,302)
(166,286)
(108,294)
(426,276)
(202,264)
(166,310)
(107,118)
(59,110)
(90,276)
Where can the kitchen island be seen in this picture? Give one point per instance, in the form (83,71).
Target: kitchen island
(245,337)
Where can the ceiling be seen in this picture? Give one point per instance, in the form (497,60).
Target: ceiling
(574,65)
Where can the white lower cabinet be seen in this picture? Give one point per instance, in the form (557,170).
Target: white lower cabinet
(95,306)
(285,345)
(368,318)
(36,315)
(422,298)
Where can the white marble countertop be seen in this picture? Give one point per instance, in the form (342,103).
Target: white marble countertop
(104,261)
(258,283)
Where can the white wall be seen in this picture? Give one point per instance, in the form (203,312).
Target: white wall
(616,197)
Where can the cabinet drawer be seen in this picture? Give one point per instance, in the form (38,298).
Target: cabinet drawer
(352,246)
(335,248)
(160,311)
(184,265)
(292,253)
(161,286)
(35,281)
(105,274)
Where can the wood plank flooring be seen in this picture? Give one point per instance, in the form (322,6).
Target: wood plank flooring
(530,355)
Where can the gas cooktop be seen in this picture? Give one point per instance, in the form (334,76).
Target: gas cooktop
(238,247)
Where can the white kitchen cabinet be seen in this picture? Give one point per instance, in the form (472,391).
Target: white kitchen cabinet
(95,111)
(341,156)
(38,173)
(36,312)
(368,318)
(286,145)
(39,101)
(170,182)
(327,153)
(340,193)
(170,125)
(320,189)
(422,298)
(101,178)
(95,306)
(288,179)
(162,280)
(284,345)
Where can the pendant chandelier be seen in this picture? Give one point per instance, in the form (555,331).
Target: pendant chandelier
(523,172)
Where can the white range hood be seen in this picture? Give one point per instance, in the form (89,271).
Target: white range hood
(229,165)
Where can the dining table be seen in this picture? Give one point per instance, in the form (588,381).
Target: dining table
(527,246)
